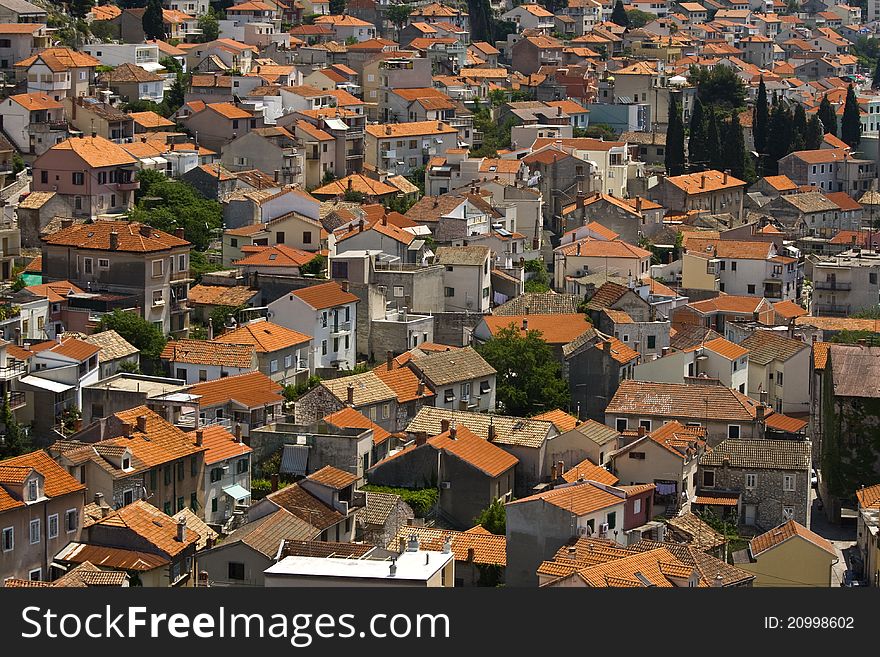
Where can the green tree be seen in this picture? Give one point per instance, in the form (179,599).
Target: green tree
(618,14)
(15,441)
(337,7)
(316,267)
(79,8)
(714,142)
(736,158)
(174,97)
(209,24)
(170,64)
(698,139)
(138,332)
(540,280)
(779,137)
(170,204)
(638,18)
(493,518)
(719,88)
(761,118)
(529,377)
(850,124)
(154,27)
(827,116)
(875,80)
(398,15)
(481,20)
(798,128)
(813,136)
(674,158)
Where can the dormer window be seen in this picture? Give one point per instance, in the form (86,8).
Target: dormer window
(126,462)
(32,490)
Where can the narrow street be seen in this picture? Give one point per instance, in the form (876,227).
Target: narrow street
(842,536)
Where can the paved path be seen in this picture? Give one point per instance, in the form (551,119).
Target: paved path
(842,536)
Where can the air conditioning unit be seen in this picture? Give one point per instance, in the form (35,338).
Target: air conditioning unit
(603,528)
(445,485)
(584,531)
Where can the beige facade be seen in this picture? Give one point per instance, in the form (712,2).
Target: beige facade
(794,562)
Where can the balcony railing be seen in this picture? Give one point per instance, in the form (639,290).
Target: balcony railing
(48,126)
(15,370)
(187,420)
(16,399)
(832,285)
(831,309)
(340,329)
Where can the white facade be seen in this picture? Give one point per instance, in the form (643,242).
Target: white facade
(467,287)
(234,471)
(145,55)
(197,373)
(333,330)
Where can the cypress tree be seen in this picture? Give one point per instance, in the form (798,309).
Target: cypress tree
(875,81)
(813,136)
(761,118)
(674,140)
(15,441)
(698,138)
(735,156)
(851,125)
(827,117)
(715,149)
(618,14)
(799,128)
(154,28)
(779,137)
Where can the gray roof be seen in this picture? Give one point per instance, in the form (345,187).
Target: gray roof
(810,202)
(113,345)
(379,506)
(22,7)
(540,303)
(761,454)
(766,346)
(597,432)
(855,370)
(445,367)
(462,255)
(708,566)
(525,432)
(687,336)
(265,534)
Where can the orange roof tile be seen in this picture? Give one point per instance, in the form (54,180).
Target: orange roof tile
(469,447)
(403,381)
(325,295)
(779,535)
(589,471)
(95,151)
(619,351)
(578,499)
(266,337)
(706,181)
(356,182)
(75,349)
(789,309)
(589,247)
(333,477)
(349,418)
(413,129)
(221,445)
(820,355)
(279,255)
(56,480)
(561,420)
(869,498)
(36,101)
(555,329)
(96,236)
(476,545)
(251,390)
(204,352)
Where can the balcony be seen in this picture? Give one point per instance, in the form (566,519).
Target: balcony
(190,420)
(13,371)
(354,153)
(16,399)
(342,328)
(47,126)
(832,285)
(832,309)
(354,133)
(127,186)
(180,306)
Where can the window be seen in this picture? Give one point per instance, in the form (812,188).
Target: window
(279,237)
(180,503)
(8,539)
(127,497)
(637,455)
(158,298)
(154,479)
(779,378)
(466,390)
(872,278)
(87,265)
(216,474)
(788,483)
(750,289)
(44,177)
(637,506)
(79,178)
(448,395)
(611,519)
(273,365)
(398,290)
(448,292)
(194,465)
(158,268)
(35,575)
(323,347)
(242,466)
(71,521)
(652,342)
(621,424)
(733,265)
(180,472)
(193,501)
(709,478)
(646,424)
(181,262)
(485,292)
(751,480)
(167,508)
(733,431)
(386,411)
(126,462)
(335,345)
(233,242)
(32,490)
(288,361)
(103,263)
(34,531)
(53,526)
(213,505)
(324,320)
(236,570)
(307,237)
(485,387)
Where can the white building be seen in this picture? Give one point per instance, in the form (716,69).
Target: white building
(466,277)
(227,474)
(145,55)
(715,359)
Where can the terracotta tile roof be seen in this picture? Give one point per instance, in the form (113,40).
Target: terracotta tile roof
(221,445)
(404,382)
(589,247)
(221,295)
(779,535)
(111,557)
(474,450)
(869,498)
(279,255)
(266,534)
(692,556)
(820,355)
(729,303)
(719,499)
(150,120)
(767,346)
(470,547)
(710,248)
(619,351)
(562,421)
(96,236)
(578,498)
(35,265)
(554,329)
(127,73)
(789,309)
(589,471)
(349,418)
(36,101)
(56,480)
(681,401)
(760,454)
(602,231)
(368,389)
(266,337)
(298,501)
(333,477)
(251,390)
(75,349)
(722,347)
(153,526)
(696,531)
(413,129)
(359,183)
(54,292)
(96,152)
(325,295)
(679,440)
(711,181)
(204,352)
(618,316)
(60,59)
(785,423)
(525,432)
(655,568)
(780,183)
(472,255)
(838,323)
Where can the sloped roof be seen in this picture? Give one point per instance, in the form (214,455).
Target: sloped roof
(478,548)
(760,454)
(96,236)
(781,534)
(367,387)
(204,352)
(325,295)
(509,430)
(767,346)
(251,390)
(681,401)
(266,337)
(447,367)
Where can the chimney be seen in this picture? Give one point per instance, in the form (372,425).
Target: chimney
(560,467)
(114,240)
(210,329)
(421,437)
(387,129)
(492,432)
(385,217)
(360,224)
(238,432)
(277,175)
(66,223)
(664,351)
(412,544)
(444,425)
(181,530)
(99,499)
(578,248)
(200,437)
(392,569)
(553,473)
(178,232)
(642,431)
(350,394)
(146,230)
(274,480)
(718,581)
(389,360)
(471,554)
(440,125)
(639,204)
(724,178)
(579,199)
(401,544)
(348,186)
(452,431)
(142,423)
(525,324)
(344,286)
(143,140)
(420,388)
(702,181)
(105,510)
(94,134)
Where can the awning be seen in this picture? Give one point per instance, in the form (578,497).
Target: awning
(45,384)
(237,492)
(716,500)
(294,459)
